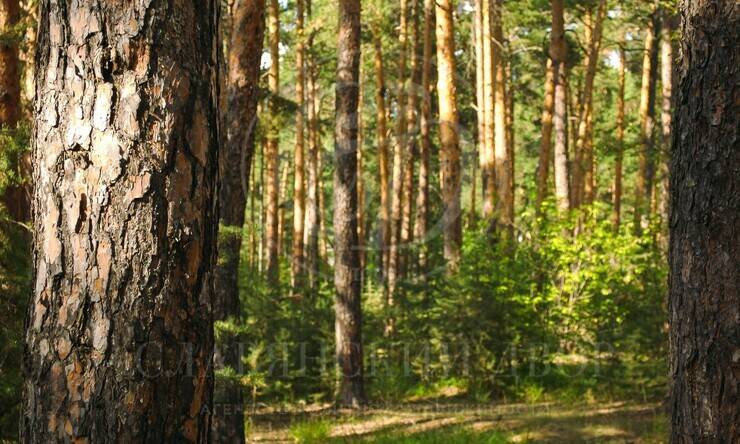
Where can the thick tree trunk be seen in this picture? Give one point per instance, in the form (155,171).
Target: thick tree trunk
(425,145)
(543,164)
(449,139)
(504,211)
(242,90)
(704,302)
(15,198)
(617,211)
(584,190)
(647,102)
(299,168)
(560,126)
(272,155)
(383,156)
(120,328)
(347,304)
(313,174)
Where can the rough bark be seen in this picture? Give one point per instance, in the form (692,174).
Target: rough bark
(560,127)
(299,167)
(346,280)
(643,190)
(272,156)
(383,156)
(617,210)
(242,91)
(125,148)
(425,145)
(448,133)
(704,301)
(504,209)
(543,164)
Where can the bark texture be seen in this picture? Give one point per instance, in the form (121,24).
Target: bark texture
(449,156)
(704,301)
(125,148)
(348,323)
(242,91)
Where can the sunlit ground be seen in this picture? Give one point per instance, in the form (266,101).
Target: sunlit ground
(452,423)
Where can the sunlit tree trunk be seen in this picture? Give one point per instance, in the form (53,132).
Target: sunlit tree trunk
(360,178)
(584,189)
(15,198)
(125,151)
(617,210)
(504,210)
(398,164)
(560,127)
(272,155)
(480,104)
(242,87)
(312,225)
(704,301)
(425,142)
(346,280)
(666,80)
(299,167)
(488,166)
(449,139)
(543,164)
(643,191)
(383,155)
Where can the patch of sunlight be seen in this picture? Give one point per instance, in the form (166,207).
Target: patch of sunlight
(603,431)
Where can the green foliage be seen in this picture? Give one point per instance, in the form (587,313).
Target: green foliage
(14,144)
(310,432)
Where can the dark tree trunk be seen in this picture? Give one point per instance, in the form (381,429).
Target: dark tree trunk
(245,50)
(347,263)
(120,327)
(704,301)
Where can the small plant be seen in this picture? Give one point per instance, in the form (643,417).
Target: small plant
(310,432)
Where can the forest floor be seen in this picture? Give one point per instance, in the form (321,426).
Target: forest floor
(459,422)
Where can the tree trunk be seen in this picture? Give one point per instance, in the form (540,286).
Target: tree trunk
(543,164)
(312,226)
(480,103)
(398,170)
(488,167)
(617,212)
(666,80)
(504,211)
(120,329)
(15,198)
(383,157)
(360,179)
(272,155)
(584,190)
(425,145)
(242,91)
(560,126)
(509,94)
(647,101)
(299,185)
(347,304)
(449,141)
(282,210)
(704,302)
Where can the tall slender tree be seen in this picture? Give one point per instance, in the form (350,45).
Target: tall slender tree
(621,67)
(347,307)
(488,165)
(504,209)
(242,88)
(543,163)
(383,155)
(560,127)
(480,100)
(299,167)
(313,173)
(666,81)
(704,299)
(272,155)
(448,132)
(126,148)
